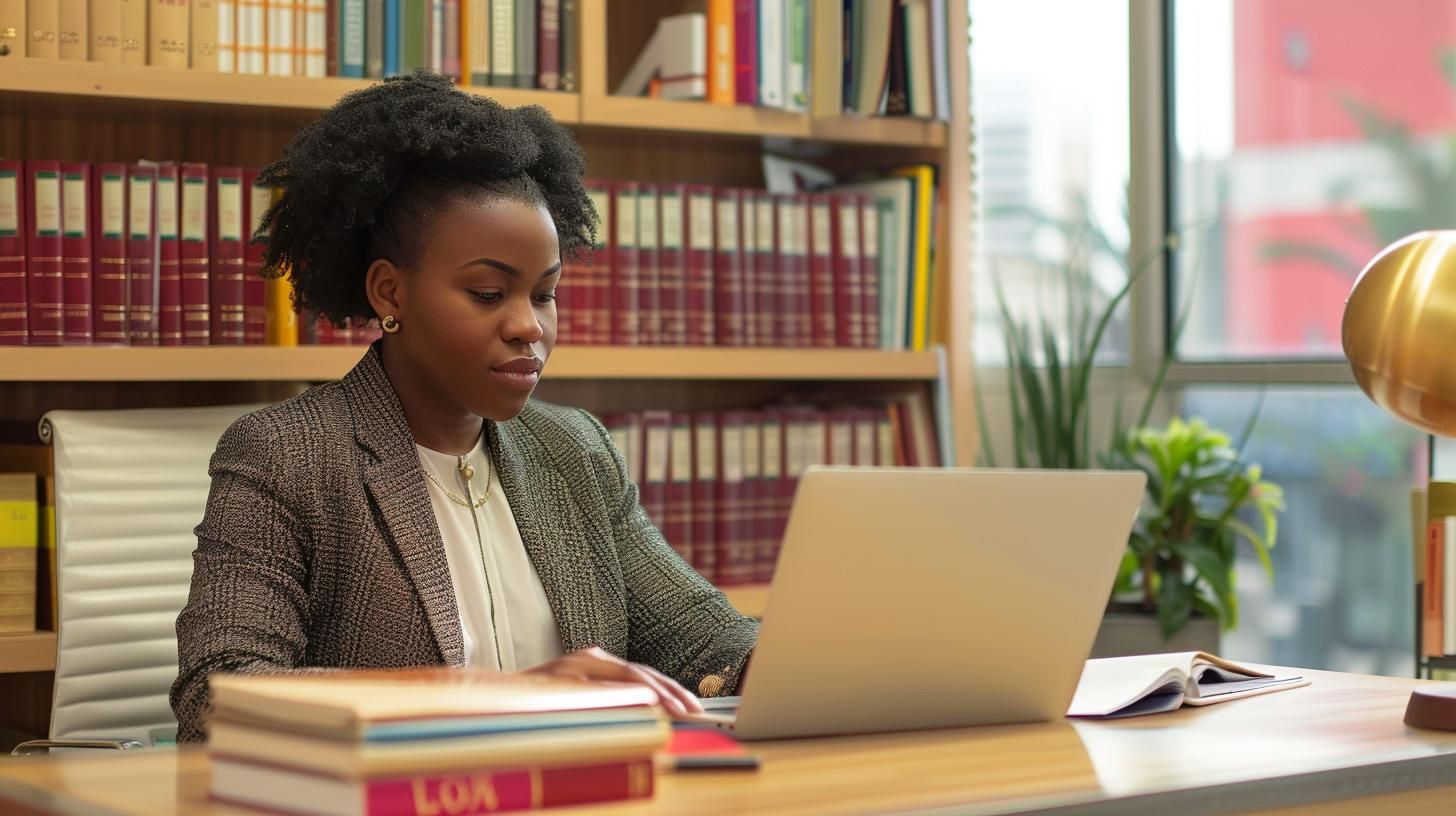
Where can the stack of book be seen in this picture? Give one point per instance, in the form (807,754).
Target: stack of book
(429,741)
(503,43)
(719,485)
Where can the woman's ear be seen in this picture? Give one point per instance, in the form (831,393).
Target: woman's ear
(384,286)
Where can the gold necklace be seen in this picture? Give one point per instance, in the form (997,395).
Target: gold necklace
(462,466)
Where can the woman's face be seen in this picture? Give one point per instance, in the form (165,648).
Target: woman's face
(477,310)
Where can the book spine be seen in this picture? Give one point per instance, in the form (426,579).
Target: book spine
(141,255)
(863,420)
(802,279)
(104,26)
(678,525)
(548,49)
(255,288)
(451,45)
(477,34)
(792,272)
(771,54)
(735,557)
(626,283)
(282,321)
(43,272)
(332,47)
(752,498)
(671,273)
(412,52)
(649,237)
(252,37)
(745,49)
(705,495)
(722,53)
(597,319)
(169,29)
(821,271)
(728,271)
(227,37)
(466,794)
(841,437)
(775,487)
(569,51)
(314,36)
(14,39)
(747,240)
(1432,633)
(278,37)
(393,59)
(765,282)
(14,311)
(43,21)
(76,254)
(169,256)
(352,27)
(701,223)
(374,39)
(657,452)
(871,274)
(298,47)
(434,30)
(502,42)
(897,80)
(848,297)
(112,284)
(133,32)
(885,447)
(524,75)
(796,48)
(196,263)
(205,27)
(225,283)
(73,37)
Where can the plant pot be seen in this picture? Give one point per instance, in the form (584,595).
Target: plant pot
(1125,632)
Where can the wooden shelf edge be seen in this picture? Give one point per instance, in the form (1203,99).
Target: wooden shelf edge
(743,120)
(749,599)
(27,652)
(321,363)
(152,84)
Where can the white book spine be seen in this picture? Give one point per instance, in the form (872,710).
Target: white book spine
(279,36)
(503,39)
(252,29)
(227,36)
(478,32)
(437,35)
(316,39)
(772,57)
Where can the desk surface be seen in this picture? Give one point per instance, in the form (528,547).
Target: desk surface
(1339,738)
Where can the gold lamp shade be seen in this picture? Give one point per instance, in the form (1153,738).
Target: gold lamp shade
(1399,330)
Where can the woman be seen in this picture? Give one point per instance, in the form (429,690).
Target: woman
(423,510)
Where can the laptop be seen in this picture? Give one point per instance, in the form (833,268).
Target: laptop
(932,598)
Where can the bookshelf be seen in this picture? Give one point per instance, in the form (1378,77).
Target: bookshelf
(78,111)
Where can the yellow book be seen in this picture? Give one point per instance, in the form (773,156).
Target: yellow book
(282,321)
(19,536)
(43,21)
(74,35)
(924,204)
(204,35)
(105,27)
(134,32)
(13,39)
(169,33)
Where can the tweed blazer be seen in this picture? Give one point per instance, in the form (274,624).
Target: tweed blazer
(319,548)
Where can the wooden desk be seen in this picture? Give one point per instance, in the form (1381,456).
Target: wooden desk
(1320,747)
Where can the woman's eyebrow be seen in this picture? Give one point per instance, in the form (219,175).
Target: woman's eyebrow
(511,270)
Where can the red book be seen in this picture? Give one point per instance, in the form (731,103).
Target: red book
(570,294)
(865,426)
(705,493)
(76,253)
(821,271)
(752,497)
(849,281)
(277,788)
(14,313)
(728,284)
(671,269)
(596,319)
(548,48)
(255,289)
(745,46)
(626,282)
(451,44)
(43,287)
(169,255)
(225,283)
(111,274)
(657,453)
(678,502)
(649,300)
(140,306)
(196,263)
(736,557)
(762,274)
(885,442)
(775,488)
(792,269)
(869,245)
(747,240)
(699,241)
(366,334)
(326,333)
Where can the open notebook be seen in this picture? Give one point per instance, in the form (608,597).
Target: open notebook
(1149,684)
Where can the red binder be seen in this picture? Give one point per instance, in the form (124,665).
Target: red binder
(849,308)
(626,282)
(141,255)
(678,503)
(43,290)
(699,241)
(169,255)
(792,264)
(196,263)
(705,490)
(671,268)
(728,271)
(111,273)
(258,197)
(777,491)
(225,282)
(821,270)
(76,253)
(762,273)
(14,312)
(869,243)
(657,451)
(736,556)
(596,325)
(649,299)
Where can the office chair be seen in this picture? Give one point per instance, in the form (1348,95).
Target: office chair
(130,488)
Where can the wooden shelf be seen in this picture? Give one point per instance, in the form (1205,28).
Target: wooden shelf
(144,83)
(319,363)
(749,599)
(28,652)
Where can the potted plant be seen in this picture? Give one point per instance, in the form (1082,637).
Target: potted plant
(1180,558)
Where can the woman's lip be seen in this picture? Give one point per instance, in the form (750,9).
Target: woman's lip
(521,380)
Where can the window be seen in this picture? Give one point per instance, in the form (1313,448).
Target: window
(1306,135)
(1050,111)
(1343,590)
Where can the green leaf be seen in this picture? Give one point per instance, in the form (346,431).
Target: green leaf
(1256,541)
(1175,605)
(1210,566)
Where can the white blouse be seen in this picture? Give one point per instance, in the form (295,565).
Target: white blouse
(504,614)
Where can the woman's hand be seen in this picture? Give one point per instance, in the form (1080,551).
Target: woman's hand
(598,664)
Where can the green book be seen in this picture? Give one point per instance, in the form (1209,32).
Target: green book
(412,36)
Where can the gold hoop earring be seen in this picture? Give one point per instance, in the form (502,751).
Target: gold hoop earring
(389,324)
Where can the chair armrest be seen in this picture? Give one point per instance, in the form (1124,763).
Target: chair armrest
(32,747)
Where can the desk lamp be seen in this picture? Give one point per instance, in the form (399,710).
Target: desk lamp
(1398,332)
